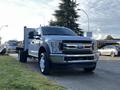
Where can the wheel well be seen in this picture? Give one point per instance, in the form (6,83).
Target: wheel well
(41,50)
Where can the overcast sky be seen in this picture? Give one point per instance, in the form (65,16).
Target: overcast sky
(104,16)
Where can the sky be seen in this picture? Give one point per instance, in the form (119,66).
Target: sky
(104,16)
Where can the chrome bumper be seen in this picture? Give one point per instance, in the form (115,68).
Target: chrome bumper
(60,58)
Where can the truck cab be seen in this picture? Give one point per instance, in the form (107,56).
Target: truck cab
(53,45)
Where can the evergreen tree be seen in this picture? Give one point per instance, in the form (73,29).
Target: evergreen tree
(67,16)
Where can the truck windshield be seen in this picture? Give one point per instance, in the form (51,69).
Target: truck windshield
(57,31)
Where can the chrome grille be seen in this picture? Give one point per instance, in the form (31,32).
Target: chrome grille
(77,47)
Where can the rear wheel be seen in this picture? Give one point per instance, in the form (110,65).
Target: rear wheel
(44,64)
(99,53)
(22,56)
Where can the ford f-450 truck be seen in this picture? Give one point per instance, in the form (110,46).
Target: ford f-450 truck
(53,45)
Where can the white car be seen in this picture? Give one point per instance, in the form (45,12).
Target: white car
(112,50)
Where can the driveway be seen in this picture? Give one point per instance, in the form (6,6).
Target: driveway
(105,77)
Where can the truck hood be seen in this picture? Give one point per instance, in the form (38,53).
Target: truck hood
(54,38)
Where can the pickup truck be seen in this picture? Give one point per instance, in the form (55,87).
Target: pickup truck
(58,46)
(11,46)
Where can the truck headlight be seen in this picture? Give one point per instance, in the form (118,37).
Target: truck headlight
(54,46)
(94,46)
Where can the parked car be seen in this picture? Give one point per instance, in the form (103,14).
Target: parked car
(112,50)
(11,46)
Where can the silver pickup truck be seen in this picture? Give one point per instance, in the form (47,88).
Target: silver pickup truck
(58,46)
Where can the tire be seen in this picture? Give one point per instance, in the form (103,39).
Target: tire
(99,53)
(3,52)
(44,63)
(22,56)
(112,54)
(89,69)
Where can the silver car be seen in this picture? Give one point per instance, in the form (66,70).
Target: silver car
(112,50)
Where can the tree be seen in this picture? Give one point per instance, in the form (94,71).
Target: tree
(67,16)
(109,37)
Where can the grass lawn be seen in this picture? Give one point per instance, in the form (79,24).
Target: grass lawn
(16,76)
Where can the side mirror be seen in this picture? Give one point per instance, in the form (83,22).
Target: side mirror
(34,35)
(37,37)
(31,35)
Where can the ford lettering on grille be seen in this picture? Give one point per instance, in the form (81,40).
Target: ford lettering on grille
(80,46)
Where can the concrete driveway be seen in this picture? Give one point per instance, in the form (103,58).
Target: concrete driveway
(105,77)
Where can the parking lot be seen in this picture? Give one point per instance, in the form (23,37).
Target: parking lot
(105,77)
(109,58)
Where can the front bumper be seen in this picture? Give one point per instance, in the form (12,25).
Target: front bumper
(69,59)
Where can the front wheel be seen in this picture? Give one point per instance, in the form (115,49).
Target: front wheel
(44,64)
(112,54)
(89,69)
(99,53)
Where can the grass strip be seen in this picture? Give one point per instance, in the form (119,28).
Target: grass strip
(16,76)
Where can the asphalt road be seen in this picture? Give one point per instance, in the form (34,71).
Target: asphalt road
(105,77)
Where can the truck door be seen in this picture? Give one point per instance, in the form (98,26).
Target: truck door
(34,45)
(31,47)
(37,39)
(31,43)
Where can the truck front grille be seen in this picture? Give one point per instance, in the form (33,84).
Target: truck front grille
(77,47)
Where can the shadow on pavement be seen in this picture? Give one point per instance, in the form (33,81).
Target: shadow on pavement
(66,71)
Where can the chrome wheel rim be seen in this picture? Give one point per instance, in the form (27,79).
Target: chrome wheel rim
(42,63)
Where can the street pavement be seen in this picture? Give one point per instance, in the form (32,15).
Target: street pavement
(105,77)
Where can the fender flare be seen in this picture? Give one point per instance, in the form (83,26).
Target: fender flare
(46,48)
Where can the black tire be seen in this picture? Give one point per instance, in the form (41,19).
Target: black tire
(44,64)
(3,52)
(99,53)
(22,56)
(89,69)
